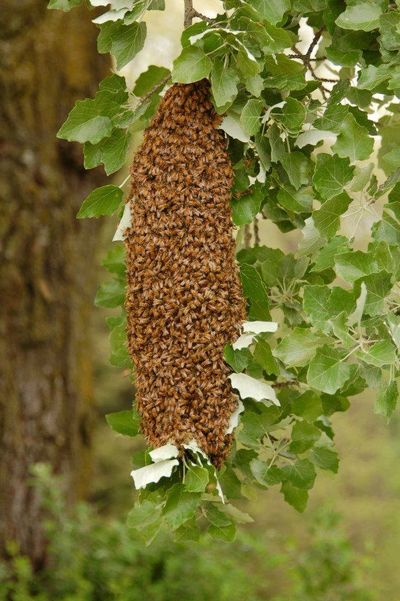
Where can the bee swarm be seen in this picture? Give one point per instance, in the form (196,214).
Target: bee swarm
(184,298)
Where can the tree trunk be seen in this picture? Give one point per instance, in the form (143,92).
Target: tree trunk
(48,59)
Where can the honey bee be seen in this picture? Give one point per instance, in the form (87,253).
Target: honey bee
(184,300)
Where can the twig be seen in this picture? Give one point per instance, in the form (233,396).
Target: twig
(191,13)
(256,232)
(195,13)
(301,57)
(247,236)
(154,89)
(188,13)
(307,59)
(315,41)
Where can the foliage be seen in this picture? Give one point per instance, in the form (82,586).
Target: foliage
(313,139)
(92,559)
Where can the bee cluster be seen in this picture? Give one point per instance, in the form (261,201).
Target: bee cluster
(184,298)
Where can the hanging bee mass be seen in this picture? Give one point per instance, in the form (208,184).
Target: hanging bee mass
(184,298)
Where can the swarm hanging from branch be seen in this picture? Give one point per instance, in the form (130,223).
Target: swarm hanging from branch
(184,298)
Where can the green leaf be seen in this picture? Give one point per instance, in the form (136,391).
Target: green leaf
(296,497)
(224,84)
(264,473)
(256,425)
(362,16)
(237,359)
(111,152)
(102,201)
(393,322)
(315,303)
(308,405)
(298,201)
(284,73)
(390,31)
(250,117)
(355,264)
(246,207)
(143,515)
(222,526)
(110,295)
(263,356)
(380,354)
(353,141)
(300,474)
(124,422)
(327,218)
(119,356)
(122,41)
(325,259)
(331,175)
(371,77)
(86,123)
(271,10)
(254,85)
(217,517)
(230,483)
(64,5)
(332,118)
(149,79)
(325,458)
(327,371)
(378,286)
(292,116)
(180,506)
(304,436)
(388,228)
(114,261)
(192,65)
(297,167)
(298,347)
(387,400)
(225,533)
(255,291)
(196,479)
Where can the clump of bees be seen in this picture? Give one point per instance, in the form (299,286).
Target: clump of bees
(184,298)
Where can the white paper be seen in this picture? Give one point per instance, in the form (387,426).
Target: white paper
(243,341)
(168,451)
(126,221)
(153,473)
(250,388)
(111,15)
(258,327)
(234,419)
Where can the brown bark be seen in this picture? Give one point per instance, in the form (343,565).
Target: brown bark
(48,59)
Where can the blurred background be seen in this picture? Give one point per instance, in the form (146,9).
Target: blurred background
(65,486)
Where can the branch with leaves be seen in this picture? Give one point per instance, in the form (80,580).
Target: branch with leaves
(319,161)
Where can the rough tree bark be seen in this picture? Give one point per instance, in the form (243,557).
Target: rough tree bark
(47,60)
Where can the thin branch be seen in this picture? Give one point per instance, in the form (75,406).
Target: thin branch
(307,60)
(315,41)
(301,57)
(195,13)
(188,13)
(247,236)
(256,232)
(191,13)
(154,89)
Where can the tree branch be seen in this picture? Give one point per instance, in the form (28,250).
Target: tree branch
(188,13)
(191,13)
